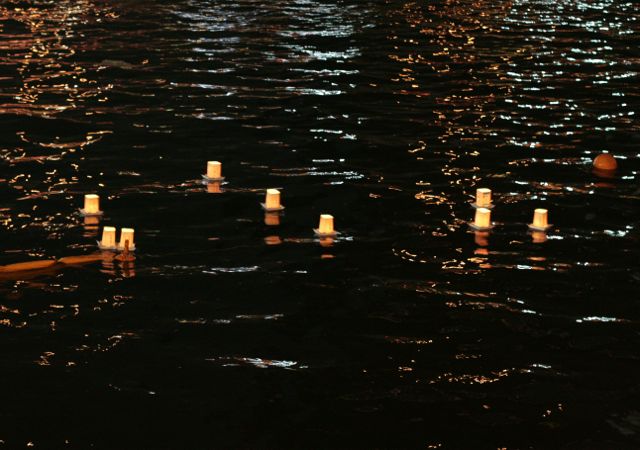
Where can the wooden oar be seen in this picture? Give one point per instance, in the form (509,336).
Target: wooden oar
(82,259)
(29,265)
(49,263)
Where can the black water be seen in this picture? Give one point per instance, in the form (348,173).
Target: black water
(408,331)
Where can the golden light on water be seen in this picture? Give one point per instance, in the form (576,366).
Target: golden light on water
(272,219)
(214,187)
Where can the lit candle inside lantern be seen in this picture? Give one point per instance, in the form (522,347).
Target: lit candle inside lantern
(483,218)
(108,237)
(214,170)
(91,205)
(272,200)
(126,235)
(325,228)
(483,197)
(540,218)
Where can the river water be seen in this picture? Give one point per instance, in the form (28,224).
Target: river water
(236,330)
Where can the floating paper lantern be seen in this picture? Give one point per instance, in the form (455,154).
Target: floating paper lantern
(272,201)
(325,228)
(91,205)
(605,161)
(540,222)
(483,198)
(108,241)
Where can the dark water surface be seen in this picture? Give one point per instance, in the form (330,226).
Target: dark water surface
(409,331)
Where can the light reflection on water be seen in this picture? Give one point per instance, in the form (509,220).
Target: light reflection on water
(387,115)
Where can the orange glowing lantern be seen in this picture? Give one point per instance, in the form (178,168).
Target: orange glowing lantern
(482,220)
(108,241)
(91,205)
(325,228)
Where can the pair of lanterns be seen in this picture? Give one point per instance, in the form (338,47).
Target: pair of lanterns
(108,241)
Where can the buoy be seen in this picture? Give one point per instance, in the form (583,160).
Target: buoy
(91,221)
(483,198)
(108,241)
(126,240)
(272,201)
(214,171)
(325,228)
(540,222)
(605,161)
(91,205)
(482,220)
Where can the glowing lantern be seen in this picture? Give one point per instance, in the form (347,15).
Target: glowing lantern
(325,228)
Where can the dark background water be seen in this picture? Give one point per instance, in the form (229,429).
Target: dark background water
(407,332)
